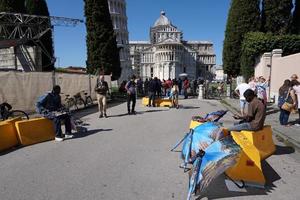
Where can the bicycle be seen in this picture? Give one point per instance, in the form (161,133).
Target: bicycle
(78,100)
(87,99)
(6,112)
(69,102)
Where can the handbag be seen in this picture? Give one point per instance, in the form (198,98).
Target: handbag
(287,106)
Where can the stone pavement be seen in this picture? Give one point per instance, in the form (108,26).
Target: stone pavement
(128,157)
(290,134)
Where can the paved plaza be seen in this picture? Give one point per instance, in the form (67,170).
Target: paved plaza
(128,157)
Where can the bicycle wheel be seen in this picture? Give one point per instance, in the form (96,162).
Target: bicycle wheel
(18,113)
(79,102)
(89,100)
(70,103)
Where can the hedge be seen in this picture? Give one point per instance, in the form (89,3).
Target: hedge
(256,44)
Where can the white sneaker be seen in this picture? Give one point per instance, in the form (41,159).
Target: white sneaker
(59,139)
(68,136)
(297,124)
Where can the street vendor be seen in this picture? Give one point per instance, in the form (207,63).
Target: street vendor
(255,118)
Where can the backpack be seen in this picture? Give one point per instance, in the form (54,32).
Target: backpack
(38,105)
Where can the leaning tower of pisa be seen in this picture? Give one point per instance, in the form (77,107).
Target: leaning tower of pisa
(117,9)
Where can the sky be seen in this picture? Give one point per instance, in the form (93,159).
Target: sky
(198,19)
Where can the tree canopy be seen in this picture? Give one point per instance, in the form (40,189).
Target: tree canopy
(102,51)
(244,16)
(276,16)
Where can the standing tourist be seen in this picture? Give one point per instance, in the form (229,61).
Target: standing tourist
(296,88)
(239,90)
(101,89)
(139,86)
(186,85)
(152,91)
(294,77)
(131,95)
(286,95)
(261,89)
(146,86)
(174,95)
(252,83)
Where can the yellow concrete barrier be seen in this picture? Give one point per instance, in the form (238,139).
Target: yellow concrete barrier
(248,167)
(158,102)
(35,131)
(262,140)
(165,103)
(194,124)
(8,134)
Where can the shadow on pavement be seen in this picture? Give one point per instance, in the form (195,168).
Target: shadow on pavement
(223,192)
(88,133)
(282,150)
(93,109)
(189,107)
(10,150)
(272,110)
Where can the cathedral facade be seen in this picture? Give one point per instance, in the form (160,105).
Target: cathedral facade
(167,55)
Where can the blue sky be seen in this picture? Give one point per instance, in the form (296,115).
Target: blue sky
(198,19)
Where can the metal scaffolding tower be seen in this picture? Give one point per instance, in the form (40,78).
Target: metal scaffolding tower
(17,29)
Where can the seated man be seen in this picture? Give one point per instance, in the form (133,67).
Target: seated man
(50,108)
(255,118)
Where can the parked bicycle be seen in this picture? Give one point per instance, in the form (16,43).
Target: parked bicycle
(76,101)
(69,102)
(87,99)
(6,112)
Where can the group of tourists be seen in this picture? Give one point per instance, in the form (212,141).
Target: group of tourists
(289,100)
(162,87)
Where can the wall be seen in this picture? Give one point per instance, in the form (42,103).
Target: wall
(21,90)
(263,67)
(283,68)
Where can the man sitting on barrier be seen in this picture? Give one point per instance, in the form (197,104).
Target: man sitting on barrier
(51,108)
(255,118)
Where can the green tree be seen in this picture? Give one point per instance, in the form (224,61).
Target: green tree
(16,6)
(102,51)
(276,16)
(39,7)
(243,17)
(296,18)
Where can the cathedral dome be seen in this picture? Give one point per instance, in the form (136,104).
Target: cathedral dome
(162,20)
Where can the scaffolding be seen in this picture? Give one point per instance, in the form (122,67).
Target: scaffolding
(17,29)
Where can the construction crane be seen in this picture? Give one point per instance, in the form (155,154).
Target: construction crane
(18,29)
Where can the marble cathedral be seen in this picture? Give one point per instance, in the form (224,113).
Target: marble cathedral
(167,54)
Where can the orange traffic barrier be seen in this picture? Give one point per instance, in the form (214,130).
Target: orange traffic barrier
(35,131)
(262,140)
(8,134)
(248,168)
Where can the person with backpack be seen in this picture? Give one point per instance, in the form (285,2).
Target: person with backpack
(131,95)
(49,105)
(101,89)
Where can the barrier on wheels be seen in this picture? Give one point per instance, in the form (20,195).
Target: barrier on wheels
(35,131)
